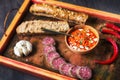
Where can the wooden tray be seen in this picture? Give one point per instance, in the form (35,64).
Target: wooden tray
(35,67)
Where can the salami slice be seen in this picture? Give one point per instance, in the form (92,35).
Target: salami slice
(66,69)
(57,62)
(51,56)
(84,73)
(74,70)
(48,41)
(49,48)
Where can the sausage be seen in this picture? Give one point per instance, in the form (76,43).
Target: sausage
(51,56)
(74,71)
(58,63)
(35,26)
(48,49)
(66,69)
(48,41)
(59,13)
(84,73)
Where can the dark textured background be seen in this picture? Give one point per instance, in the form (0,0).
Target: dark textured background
(6,5)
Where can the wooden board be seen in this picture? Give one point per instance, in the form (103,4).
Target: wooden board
(36,63)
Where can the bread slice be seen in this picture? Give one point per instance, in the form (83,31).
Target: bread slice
(35,26)
(70,16)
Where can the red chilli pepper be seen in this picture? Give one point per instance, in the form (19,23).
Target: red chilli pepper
(108,31)
(114,56)
(112,26)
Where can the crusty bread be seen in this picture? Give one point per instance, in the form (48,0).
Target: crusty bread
(59,13)
(36,25)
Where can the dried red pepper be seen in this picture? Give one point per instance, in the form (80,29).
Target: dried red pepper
(114,56)
(108,31)
(112,26)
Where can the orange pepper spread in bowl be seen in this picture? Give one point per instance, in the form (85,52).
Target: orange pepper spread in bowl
(83,39)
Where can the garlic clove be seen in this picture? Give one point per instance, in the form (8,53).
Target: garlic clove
(22,47)
(17,51)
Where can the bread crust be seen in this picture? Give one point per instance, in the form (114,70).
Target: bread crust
(34,26)
(59,13)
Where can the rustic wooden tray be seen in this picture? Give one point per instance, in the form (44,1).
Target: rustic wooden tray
(34,64)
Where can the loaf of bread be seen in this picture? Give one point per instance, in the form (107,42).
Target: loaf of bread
(34,26)
(59,13)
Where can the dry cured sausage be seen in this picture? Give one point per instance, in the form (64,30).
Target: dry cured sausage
(59,63)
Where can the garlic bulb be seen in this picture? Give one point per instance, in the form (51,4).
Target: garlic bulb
(22,47)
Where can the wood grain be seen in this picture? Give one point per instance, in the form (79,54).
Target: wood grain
(92,12)
(33,70)
(42,72)
(9,32)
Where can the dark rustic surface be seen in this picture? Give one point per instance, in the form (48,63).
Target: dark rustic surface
(6,5)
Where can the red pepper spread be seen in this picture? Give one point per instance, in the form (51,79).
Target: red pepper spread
(82,39)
